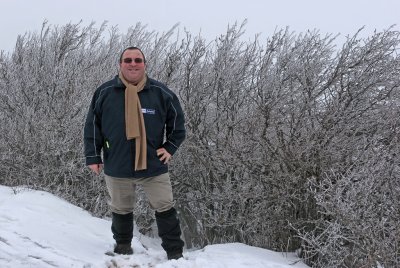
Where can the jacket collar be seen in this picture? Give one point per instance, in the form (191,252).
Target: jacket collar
(120,85)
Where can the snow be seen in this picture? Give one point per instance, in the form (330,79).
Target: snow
(38,229)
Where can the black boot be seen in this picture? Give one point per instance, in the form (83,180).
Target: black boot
(122,229)
(125,249)
(170,232)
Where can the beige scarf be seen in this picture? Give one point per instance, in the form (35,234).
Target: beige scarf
(134,122)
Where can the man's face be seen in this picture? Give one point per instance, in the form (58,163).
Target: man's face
(133,72)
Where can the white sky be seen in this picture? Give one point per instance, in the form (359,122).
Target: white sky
(211,17)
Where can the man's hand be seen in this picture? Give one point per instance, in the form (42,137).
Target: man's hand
(163,155)
(96,168)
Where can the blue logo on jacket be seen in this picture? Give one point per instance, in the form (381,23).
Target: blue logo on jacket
(148,111)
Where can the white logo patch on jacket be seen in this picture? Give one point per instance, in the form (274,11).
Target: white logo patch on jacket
(148,111)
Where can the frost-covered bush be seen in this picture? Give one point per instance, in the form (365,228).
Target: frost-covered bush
(292,143)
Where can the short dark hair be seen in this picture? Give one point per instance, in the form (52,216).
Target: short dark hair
(131,48)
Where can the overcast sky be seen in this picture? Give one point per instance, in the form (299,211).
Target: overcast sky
(208,17)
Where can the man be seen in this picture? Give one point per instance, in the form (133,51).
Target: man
(139,124)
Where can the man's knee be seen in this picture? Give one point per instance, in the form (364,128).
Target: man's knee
(122,194)
(159,192)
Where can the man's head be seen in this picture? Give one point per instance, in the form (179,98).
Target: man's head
(132,64)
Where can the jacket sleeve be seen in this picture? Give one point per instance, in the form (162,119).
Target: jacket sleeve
(93,138)
(175,126)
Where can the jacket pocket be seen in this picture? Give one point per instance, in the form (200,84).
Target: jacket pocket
(106,148)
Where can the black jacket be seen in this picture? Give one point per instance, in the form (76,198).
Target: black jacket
(105,128)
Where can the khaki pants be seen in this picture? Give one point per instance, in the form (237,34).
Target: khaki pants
(122,191)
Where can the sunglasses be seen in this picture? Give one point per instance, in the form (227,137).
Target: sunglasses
(130,60)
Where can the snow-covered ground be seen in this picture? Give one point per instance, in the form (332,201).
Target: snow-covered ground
(38,229)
